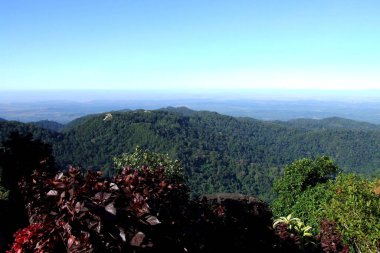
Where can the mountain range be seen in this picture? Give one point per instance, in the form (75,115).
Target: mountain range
(219,153)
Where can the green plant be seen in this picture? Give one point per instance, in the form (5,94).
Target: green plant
(152,160)
(298,178)
(349,201)
(3,193)
(294,224)
(354,207)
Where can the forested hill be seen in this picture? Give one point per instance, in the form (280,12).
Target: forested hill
(48,136)
(50,125)
(329,123)
(219,153)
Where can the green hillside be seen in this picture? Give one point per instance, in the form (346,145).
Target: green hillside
(6,127)
(219,153)
(50,125)
(329,123)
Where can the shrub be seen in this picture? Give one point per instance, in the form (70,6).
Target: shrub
(138,210)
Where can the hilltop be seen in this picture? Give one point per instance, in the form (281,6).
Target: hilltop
(329,123)
(48,124)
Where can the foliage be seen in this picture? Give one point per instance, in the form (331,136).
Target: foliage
(218,153)
(289,240)
(354,207)
(92,214)
(295,236)
(330,238)
(49,125)
(294,224)
(22,154)
(3,192)
(349,201)
(146,209)
(144,158)
(293,233)
(137,210)
(329,123)
(308,204)
(34,239)
(298,178)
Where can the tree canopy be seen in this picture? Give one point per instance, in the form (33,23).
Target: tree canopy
(308,189)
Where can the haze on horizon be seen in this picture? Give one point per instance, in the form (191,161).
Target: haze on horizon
(189,45)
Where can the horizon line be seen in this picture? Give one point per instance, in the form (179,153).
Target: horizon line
(193,89)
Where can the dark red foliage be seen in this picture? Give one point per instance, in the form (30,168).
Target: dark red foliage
(287,236)
(37,237)
(290,240)
(19,157)
(330,238)
(138,210)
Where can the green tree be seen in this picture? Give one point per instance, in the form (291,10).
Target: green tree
(355,208)
(141,157)
(298,177)
(308,190)
(21,154)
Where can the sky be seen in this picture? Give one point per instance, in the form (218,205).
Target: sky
(189,45)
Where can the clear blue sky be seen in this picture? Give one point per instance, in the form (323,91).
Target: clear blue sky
(197,44)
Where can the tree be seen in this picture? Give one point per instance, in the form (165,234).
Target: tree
(308,190)
(354,206)
(21,154)
(298,177)
(145,158)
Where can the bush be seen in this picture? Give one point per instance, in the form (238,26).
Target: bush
(348,201)
(137,210)
(152,160)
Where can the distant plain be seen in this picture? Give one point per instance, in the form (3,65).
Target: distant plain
(64,106)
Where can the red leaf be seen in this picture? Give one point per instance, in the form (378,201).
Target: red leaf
(152,220)
(70,241)
(138,239)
